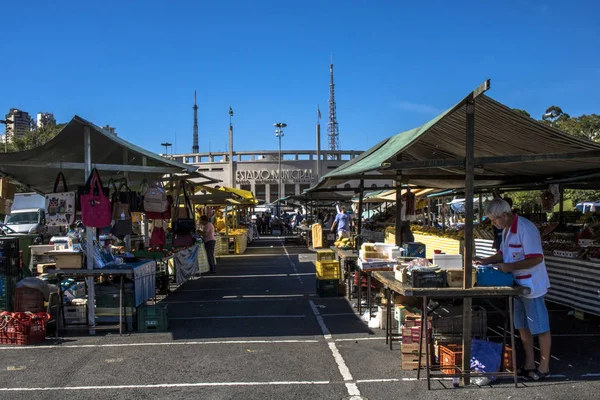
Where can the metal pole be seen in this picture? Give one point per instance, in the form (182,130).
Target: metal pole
(399,208)
(467,279)
(279,190)
(90,233)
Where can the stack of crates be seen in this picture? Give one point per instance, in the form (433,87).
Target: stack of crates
(328,274)
(9,257)
(152,318)
(411,334)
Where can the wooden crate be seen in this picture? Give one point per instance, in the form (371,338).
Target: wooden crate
(455,277)
(446,245)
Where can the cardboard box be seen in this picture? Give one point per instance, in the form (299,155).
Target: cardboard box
(7,189)
(67,259)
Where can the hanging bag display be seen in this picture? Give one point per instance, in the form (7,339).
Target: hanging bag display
(183,224)
(95,203)
(60,206)
(155,199)
(183,228)
(121,211)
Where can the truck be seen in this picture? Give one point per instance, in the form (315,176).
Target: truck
(27,215)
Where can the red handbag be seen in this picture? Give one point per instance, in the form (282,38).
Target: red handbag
(183,239)
(96,210)
(158,237)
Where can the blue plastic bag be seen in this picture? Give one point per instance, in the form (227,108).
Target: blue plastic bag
(485,356)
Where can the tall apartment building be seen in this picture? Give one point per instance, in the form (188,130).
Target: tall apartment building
(45,119)
(18,123)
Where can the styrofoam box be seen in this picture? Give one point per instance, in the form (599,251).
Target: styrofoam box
(448,261)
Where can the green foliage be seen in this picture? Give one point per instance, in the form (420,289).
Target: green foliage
(525,113)
(525,200)
(576,196)
(34,138)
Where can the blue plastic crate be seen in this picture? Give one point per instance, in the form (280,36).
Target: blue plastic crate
(490,276)
(414,249)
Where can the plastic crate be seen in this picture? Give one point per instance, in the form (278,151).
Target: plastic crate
(9,246)
(28,300)
(153,318)
(488,276)
(414,249)
(9,264)
(14,332)
(75,314)
(8,290)
(328,270)
(325,255)
(452,325)
(451,358)
(421,279)
(328,288)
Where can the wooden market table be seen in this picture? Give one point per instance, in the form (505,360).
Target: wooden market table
(142,272)
(347,259)
(393,285)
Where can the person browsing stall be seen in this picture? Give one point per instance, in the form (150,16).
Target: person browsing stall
(342,222)
(208,236)
(521,254)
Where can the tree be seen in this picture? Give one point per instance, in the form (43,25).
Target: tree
(35,137)
(525,113)
(576,195)
(585,126)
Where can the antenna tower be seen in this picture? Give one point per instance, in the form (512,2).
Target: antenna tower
(333,131)
(195,148)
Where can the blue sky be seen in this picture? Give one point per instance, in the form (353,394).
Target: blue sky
(135,64)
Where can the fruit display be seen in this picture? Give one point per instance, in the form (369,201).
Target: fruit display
(344,243)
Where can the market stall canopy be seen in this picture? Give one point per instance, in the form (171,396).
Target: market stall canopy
(113,156)
(384,196)
(510,149)
(206,195)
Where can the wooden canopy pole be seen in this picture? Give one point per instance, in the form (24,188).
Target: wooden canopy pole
(399,208)
(468,254)
(361,195)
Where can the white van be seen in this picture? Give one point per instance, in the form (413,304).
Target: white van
(588,206)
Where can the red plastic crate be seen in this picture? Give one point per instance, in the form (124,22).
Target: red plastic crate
(451,358)
(14,331)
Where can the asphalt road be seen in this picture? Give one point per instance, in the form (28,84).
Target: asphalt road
(257,330)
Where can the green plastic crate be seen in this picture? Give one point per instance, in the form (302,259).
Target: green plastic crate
(152,318)
(328,287)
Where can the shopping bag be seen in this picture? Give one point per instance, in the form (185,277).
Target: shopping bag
(186,224)
(95,205)
(60,206)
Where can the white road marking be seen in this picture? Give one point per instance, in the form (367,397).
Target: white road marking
(339,360)
(590,375)
(163,385)
(294,275)
(359,339)
(293,264)
(238,317)
(258,297)
(340,315)
(396,380)
(517,336)
(153,344)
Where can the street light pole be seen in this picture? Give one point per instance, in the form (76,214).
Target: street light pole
(166,144)
(279,135)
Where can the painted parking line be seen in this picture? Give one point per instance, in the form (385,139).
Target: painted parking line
(294,275)
(239,317)
(154,344)
(163,385)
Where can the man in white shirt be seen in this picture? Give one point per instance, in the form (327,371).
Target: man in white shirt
(521,254)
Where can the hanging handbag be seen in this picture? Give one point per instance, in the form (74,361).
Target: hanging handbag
(121,211)
(158,237)
(60,206)
(155,199)
(185,224)
(95,203)
(85,189)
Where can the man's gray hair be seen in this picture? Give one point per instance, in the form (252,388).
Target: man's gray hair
(497,207)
